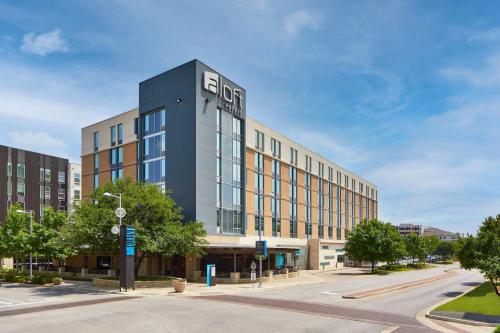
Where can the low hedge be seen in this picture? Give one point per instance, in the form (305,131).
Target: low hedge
(41,280)
(417,265)
(16,278)
(142,278)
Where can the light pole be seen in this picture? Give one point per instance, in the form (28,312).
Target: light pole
(30,213)
(119,197)
(261,220)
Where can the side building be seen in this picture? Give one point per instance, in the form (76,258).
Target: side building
(109,151)
(408,228)
(231,172)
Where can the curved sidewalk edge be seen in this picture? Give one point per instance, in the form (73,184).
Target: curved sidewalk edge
(461,321)
(424,318)
(372,292)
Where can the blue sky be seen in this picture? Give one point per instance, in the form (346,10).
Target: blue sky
(405,93)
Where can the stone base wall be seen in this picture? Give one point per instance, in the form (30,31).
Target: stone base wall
(137,284)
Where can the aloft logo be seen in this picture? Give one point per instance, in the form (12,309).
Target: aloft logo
(212,82)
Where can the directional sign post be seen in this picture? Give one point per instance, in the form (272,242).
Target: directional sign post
(127,253)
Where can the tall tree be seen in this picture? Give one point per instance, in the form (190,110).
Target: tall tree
(156,217)
(415,246)
(445,249)
(374,241)
(431,243)
(48,239)
(15,233)
(483,251)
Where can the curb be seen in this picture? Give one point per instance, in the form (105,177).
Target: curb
(372,292)
(460,321)
(422,316)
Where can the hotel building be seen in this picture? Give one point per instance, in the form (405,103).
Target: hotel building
(191,134)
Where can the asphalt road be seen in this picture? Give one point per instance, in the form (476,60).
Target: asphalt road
(305,308)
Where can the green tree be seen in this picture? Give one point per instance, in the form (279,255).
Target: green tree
(415,246)
(374,241)
(157,219)
(15,235)
(48,240)
(431,243)
(483,251)
(445,249)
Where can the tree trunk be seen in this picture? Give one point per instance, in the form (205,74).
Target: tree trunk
(495,287)
(373,266)
(138,264)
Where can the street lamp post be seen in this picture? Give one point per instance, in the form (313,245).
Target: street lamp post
(30,213)
(119,197)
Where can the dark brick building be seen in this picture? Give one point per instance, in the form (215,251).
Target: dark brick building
(32,179)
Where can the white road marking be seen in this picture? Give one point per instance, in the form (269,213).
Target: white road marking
(328,293)
(390,329)
(11,300)
(25,303)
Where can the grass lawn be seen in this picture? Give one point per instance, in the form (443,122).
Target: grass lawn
(479,300)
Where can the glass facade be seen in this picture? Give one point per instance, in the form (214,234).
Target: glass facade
(292,172)
(153,147)
(308,204)
(229,173)
(276,198)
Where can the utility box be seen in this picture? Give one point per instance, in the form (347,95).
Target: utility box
(211,275)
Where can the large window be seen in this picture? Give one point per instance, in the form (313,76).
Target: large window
(76,178)
(20,170)
(120,132)
(9,187)
(76,194)
(113,135)
(339,213)
(308,211)
(276,198)
(61,177)
(320,209)
(259,140)
(229,173)
(9,169)
(96,141)
(259,190)
(20,189)
(276,148)
(293,201)
(153,148)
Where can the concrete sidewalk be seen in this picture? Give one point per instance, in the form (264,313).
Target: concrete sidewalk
(200,289)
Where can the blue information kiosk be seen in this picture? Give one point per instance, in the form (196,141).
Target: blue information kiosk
(210,275)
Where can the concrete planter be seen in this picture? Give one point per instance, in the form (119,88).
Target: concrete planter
(179,285)
(235,277)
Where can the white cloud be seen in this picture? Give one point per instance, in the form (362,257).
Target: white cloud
(300,20)
(41,142)
(487,75)
(44,43)
(487,35)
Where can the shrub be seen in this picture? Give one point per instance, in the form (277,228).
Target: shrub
(57,281)
(16,278)
(394,267)
(418,265)
(154,278)
(497,330)
(40,280)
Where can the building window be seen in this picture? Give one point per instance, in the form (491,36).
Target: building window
(9,188)
(20,189)
(308,203)
(96,181)
(113,136)
(42,192)
(96,141)
(339,213)
(276,198)
(76,194)
(259,140)
(330,174)
(61,177)
(320,209)
(9,169)
(154,122)
(321,168)
(47,192)
(42,174)
(293,156)
(293,201)
(76,178)
(276,148)
(339,178)
(47,175)
(120,134)
(96,163)
(346,181)
(308,163)
(62,194)
(259,190)
(20,170)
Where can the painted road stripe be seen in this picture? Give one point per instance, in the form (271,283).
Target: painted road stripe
(390,329)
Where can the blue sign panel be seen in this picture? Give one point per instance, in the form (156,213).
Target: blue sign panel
(130,241)
(261,248)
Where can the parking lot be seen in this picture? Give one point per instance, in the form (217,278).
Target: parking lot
(15,296)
